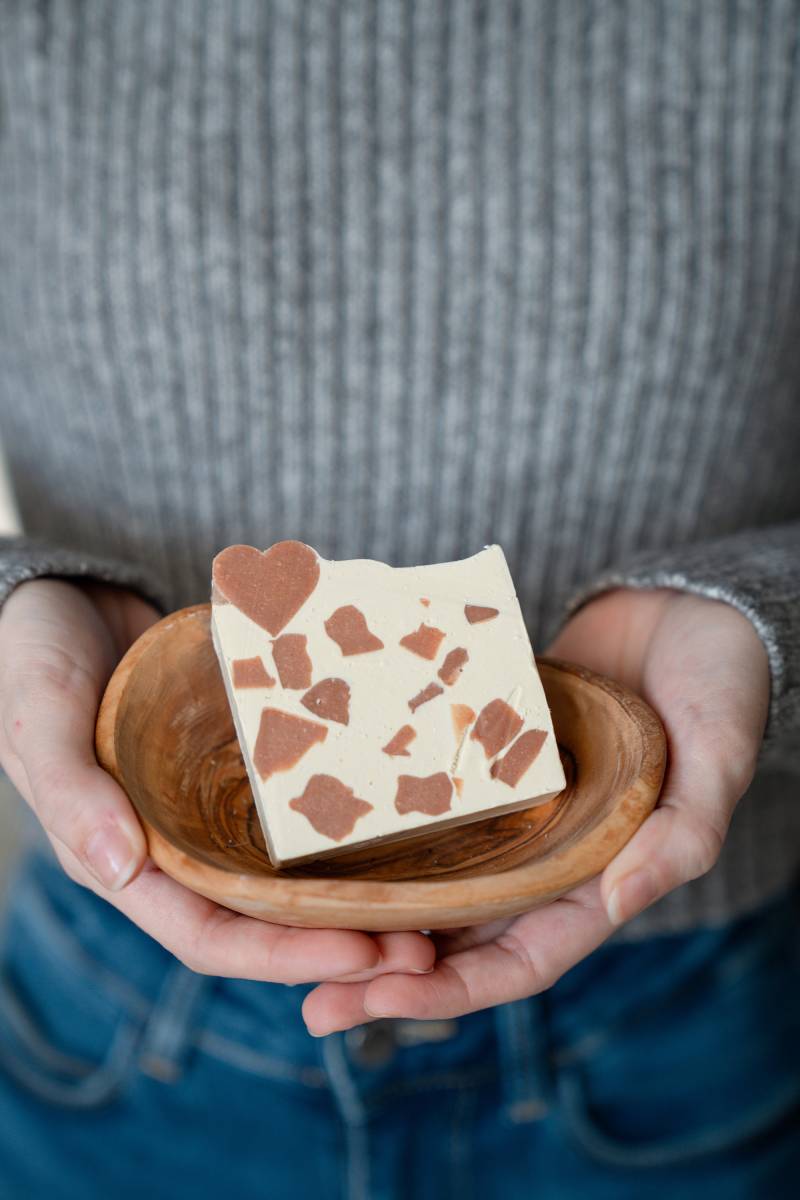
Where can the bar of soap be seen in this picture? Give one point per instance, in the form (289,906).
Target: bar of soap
(375,702)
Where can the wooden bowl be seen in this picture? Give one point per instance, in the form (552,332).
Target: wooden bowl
(164,731)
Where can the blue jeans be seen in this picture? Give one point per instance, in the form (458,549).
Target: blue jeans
(669,1067)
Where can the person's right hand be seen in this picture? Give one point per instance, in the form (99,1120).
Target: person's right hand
(59,643)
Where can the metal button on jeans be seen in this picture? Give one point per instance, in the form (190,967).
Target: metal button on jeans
(419,1033)
(375,1045)
(371,1045)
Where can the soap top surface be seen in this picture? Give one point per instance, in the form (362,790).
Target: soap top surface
(373,701)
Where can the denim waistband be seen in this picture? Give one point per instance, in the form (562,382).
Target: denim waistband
(258,1028)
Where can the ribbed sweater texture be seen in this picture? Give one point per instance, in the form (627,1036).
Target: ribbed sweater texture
(404,278)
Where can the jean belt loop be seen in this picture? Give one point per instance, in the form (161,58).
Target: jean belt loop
(167,1034)
(523,1044)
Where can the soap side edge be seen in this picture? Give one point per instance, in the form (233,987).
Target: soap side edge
(249,767)
(534,665)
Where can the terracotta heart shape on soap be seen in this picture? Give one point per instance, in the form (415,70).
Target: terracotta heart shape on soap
(268,586)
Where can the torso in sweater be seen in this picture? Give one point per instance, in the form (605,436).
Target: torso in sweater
(400,279)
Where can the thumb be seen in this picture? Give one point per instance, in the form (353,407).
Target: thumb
(125,614)
(49,704)
(611,633)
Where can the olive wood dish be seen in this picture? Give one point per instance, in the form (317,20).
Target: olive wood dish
(165,733)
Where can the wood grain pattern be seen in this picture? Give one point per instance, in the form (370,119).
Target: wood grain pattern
(165,733)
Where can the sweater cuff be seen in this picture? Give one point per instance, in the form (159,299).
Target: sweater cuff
(23,558)
(758,572)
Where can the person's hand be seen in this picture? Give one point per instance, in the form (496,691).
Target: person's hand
(703,668)
(59,643)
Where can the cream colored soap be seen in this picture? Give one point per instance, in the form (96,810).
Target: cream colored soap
(374,702)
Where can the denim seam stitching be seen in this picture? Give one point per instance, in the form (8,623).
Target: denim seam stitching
(15,1018)
(459,1145)
(353,1115)
(242,1057)
(523,1072)
(446,1081)
(605,1148)
(168,1025)
(53,936)
(95,1087)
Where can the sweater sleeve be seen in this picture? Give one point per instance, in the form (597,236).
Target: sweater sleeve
(23,557)
(758,572)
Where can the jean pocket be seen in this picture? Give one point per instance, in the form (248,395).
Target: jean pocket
(703,1070)
(608,1138)
(69,1029)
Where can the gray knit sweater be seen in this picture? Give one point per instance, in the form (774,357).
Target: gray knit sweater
(400,279)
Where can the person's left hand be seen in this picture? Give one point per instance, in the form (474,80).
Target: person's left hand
(59,643)
(704,669)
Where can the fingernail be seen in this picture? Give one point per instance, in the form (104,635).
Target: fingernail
(110,857)
(630,896)
(420,970)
